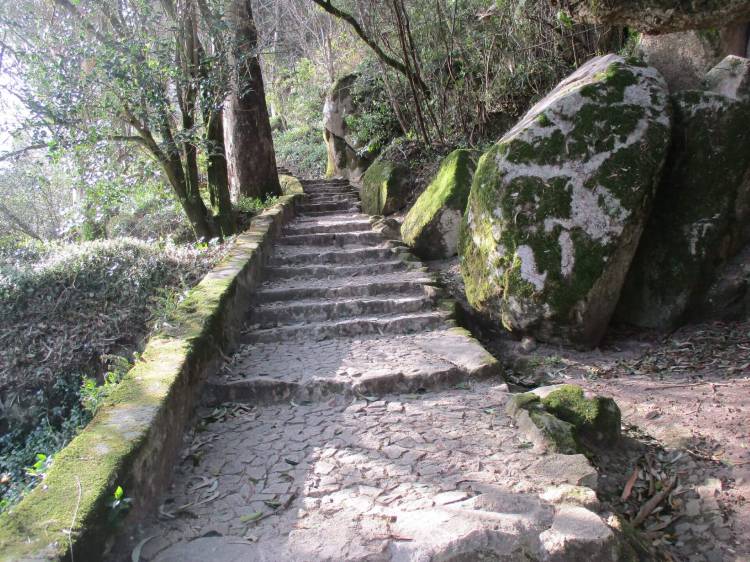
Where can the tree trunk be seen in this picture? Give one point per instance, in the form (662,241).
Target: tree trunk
(218,178)
(250,154)
(199,216)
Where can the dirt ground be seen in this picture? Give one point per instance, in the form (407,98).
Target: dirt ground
(685,402)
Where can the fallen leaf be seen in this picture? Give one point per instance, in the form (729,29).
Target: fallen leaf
(251,517)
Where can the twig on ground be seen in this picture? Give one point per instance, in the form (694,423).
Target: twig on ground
(651,504)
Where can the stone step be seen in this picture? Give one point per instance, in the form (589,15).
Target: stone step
(328,188)
(323,226)
(264,373)
(320,207)
(328,199)
(322,310)
(321,214)
(330,191)
(347,289)
(349,256)
(324,183)
(364,326)
(441,476)
(333,239)
(338,194)
(335,270)
(345,216)
(332,181)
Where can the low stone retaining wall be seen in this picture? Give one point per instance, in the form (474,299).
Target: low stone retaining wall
(133,440)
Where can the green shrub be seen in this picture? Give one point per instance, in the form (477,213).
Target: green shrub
(302,150)
(70,316)
(254,205)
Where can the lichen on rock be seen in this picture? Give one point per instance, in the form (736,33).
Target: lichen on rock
(385,186)
(431,226)
(701,213)
(557,206)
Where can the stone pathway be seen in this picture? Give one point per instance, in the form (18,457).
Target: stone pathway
(355,421)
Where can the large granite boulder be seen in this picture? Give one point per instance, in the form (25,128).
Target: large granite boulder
(347,156)
(385,187)
(431,226)
(659,16)
(701,215)
(683,58)
(557,206)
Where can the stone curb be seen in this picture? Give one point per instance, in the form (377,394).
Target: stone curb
(133,440)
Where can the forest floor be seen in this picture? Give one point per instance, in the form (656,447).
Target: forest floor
(685,402)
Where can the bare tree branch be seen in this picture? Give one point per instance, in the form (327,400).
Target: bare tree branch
(382,55)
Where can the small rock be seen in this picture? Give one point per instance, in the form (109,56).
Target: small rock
(578,534)
(572,495)
(528,344)
(693,508)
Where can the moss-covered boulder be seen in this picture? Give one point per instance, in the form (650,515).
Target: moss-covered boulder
(290,185)
(563,419)
(701,215)
(385,187)
(431,226)
(558,205)
(596,419)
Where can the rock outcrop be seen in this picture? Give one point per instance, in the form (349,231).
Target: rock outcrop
(557,206)
(431,226)
(346,157)
(730,78)
(385,187)
(701,215)
(683,58)
(659,16)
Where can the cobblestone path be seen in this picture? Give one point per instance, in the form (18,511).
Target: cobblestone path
(355,421)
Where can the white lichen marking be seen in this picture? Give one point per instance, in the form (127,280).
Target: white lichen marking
(567,253)
(449,224)
(529,271)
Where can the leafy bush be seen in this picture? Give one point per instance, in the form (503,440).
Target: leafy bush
(302,150)
(374,124)
(254,205)
(70,316)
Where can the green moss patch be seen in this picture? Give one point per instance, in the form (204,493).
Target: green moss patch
(596,418)
(423,228)
(565,420)
(290,185)
(384,187)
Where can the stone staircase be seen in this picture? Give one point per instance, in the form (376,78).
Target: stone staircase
(357,310)
(354,422)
